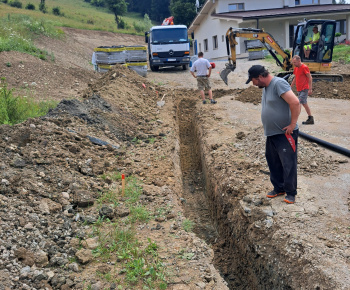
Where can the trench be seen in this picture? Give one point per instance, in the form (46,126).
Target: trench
(243,253)
(198,200)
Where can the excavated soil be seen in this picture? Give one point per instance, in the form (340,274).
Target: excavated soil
(199,162)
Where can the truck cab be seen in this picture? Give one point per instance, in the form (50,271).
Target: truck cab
(168,45)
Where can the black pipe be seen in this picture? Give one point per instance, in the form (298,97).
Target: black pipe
(326,144)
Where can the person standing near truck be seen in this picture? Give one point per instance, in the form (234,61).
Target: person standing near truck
(303,82)
(201,70)
(279,114)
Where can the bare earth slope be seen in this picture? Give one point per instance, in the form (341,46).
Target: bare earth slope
(204,163)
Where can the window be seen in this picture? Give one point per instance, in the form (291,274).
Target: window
(215,42)
(235,6)
(341,26)
(205,42)
(222,38)
(306,2)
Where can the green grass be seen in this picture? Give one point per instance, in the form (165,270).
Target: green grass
(17,32)
(76,14)
(14,110)
(341,52)
(139,260)
(188,225)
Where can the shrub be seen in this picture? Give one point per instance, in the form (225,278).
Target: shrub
(144,25)
(56,11)
(16,4)
(42,8)
(14,110)
(30,6)
(139,27)
(122,24)
(4,1)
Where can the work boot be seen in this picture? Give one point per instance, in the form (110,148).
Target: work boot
(309,121)
(289,199)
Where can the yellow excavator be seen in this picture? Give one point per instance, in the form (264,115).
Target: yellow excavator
(318,61)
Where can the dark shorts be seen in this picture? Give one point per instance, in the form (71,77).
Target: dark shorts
(203,83)
(303,96)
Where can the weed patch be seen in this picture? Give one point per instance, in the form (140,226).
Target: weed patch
(14,110)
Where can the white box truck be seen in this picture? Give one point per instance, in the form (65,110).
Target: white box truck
(168,45)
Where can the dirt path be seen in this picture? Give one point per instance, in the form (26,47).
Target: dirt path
(204,163)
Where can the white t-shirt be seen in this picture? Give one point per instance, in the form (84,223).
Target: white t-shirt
(201,66)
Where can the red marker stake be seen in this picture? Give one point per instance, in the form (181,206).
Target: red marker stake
(123,184)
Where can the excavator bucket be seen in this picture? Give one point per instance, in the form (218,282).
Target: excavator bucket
(224,73)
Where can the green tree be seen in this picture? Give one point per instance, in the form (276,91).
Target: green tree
(183,11)
(118,7)
(160,10)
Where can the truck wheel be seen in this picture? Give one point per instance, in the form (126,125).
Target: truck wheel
(154,68)
(185,67)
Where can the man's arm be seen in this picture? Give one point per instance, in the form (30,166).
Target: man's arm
(293,81)
(209,71)
(294,106)
(309,78)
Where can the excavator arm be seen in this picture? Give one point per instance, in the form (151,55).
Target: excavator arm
(267,40)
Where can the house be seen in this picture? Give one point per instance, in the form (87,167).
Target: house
(277,17)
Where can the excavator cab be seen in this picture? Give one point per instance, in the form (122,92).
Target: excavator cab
(319,56)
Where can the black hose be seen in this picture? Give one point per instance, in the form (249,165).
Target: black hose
(326,144)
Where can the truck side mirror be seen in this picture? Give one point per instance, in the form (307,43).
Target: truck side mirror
(146,37)
(192,35)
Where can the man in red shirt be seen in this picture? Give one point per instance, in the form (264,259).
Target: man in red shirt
(303,82)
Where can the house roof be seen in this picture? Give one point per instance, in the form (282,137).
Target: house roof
(270,13)
(285,12)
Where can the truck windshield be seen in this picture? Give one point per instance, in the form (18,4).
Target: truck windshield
(169,35)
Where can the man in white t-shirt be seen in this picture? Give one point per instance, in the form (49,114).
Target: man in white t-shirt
(202,67)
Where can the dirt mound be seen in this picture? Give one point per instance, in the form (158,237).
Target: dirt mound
(321,89)
(249,95)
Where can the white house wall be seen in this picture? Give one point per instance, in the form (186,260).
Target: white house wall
(259,4)
(249,4)
(207,30)
(278,27)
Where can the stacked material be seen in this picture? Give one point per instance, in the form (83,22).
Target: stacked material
(134,57)
(110,55)
(139,67)
(136,54)
(255,49)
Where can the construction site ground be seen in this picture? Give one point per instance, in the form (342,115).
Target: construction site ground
(197,162)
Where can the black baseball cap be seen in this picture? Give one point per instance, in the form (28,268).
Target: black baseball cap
(254,72)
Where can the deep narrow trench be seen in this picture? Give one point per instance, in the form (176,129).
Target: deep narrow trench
(196,204)
(217,221)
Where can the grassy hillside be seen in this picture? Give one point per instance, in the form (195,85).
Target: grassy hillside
(76,14)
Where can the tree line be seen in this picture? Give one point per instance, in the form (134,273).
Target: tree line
(183,11)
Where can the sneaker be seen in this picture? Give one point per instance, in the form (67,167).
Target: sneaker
(273,194)
(212,101)
(204,102)
(289,199)
(309,121)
